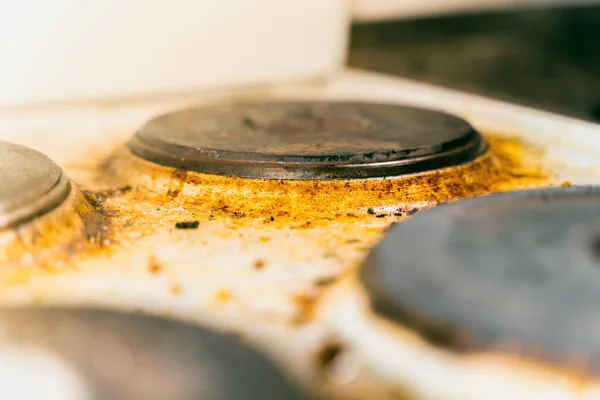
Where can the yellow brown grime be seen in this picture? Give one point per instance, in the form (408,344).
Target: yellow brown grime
(77,226)
(507,165)
(126,198)
(264,253)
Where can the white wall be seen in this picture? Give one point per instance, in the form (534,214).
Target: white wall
(88,49)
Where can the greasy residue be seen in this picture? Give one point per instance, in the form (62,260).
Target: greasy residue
(126,198)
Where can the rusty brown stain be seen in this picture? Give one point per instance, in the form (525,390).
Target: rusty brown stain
(508,165)
(304,225)
(306,307)
(175,289)
(79,226)
(178,178)
(131,198)
(223,296)
(259,264)
(326,281)
(154,267)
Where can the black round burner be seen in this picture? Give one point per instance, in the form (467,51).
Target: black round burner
(519,269)
(308,140)
(118,356)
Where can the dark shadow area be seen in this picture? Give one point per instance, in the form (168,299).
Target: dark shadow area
(545,58)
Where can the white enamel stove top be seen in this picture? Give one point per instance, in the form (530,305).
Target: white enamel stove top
(269,258)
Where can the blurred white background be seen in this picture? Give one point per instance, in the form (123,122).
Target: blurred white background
(80,49)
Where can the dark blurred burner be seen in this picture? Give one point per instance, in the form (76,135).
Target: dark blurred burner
(517,272)
(127,357)
(308,140)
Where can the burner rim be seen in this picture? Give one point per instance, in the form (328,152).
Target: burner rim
(302,164)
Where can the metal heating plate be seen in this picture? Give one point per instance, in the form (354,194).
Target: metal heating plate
(308,140)
(517,271)
(130,356)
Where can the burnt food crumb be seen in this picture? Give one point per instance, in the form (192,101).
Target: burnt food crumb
(187,225)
